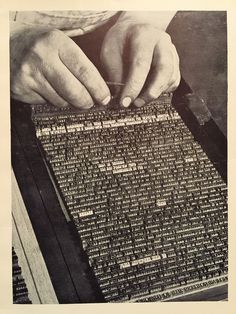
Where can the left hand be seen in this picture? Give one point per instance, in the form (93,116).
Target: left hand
(144,58)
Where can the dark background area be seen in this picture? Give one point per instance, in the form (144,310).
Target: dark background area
(201,41)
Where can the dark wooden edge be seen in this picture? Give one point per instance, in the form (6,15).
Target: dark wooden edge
(57,240)
(209,136)
(219,293)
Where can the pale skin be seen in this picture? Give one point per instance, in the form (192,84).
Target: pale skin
(47,66)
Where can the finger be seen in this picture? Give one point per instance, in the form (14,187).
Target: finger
(85,71)
(113,66)
(67,86)
(160,76)
(48,92)
(31,98)
(140,63)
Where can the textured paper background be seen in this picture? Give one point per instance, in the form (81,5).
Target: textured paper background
(6,305)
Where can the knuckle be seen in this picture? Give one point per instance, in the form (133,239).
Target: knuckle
(45,40)
(166,38)
(143,35)
(142,28)
(85,73)
(25,69)
(141,62)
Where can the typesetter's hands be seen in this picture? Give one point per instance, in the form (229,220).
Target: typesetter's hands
(46,65)
(144,58)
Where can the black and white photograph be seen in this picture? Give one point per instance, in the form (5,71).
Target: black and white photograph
(119,156)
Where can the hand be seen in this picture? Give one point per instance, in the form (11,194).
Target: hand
(46,65)
(144,58)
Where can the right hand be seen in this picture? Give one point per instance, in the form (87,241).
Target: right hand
(47,66)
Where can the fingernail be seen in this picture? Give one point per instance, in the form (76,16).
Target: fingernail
(106,100)
(126,102)
(139,102)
